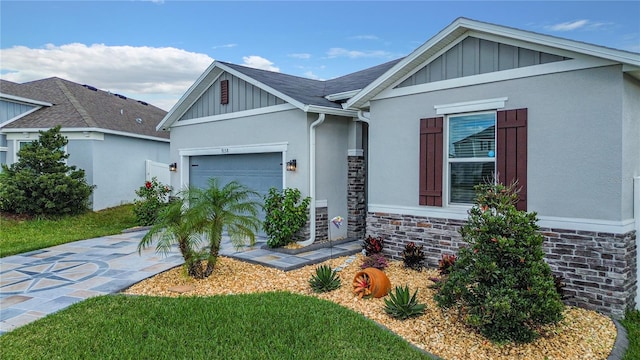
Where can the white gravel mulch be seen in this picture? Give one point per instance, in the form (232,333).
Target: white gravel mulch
(583,334)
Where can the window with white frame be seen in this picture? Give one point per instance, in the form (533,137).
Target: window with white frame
(470,154)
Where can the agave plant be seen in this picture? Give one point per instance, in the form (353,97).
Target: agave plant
(324,280)
(401,305)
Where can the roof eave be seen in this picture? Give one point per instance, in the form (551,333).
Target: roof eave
(24,100)
(330,111)
(463,25)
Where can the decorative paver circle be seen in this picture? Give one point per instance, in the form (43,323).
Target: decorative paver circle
(48,275)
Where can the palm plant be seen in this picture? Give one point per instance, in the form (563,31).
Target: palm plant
(178,224)
(231,209)
(196,220)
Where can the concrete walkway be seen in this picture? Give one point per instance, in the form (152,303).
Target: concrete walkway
(41,282)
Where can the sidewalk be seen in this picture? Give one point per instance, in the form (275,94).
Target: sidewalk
(41,282)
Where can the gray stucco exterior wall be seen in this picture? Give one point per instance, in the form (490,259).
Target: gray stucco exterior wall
(574,141)
(104,162)
(288,129)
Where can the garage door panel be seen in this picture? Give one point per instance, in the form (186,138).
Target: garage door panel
(259,172)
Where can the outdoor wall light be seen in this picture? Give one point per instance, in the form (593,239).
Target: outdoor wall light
(173,167)
(291,165)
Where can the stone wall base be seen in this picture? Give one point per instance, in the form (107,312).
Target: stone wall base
(599,269)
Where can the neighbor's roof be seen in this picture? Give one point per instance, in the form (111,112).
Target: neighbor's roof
(72,105)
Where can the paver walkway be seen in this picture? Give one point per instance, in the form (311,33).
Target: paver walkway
(38,283)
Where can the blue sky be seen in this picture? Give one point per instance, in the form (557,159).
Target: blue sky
(154,50)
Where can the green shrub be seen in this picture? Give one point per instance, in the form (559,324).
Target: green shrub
(324,279)
(154,196)
(413,256)
(286,213)
(401,305)
(500,284)
(41,182)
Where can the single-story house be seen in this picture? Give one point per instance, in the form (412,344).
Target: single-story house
(111,137)
(396,149)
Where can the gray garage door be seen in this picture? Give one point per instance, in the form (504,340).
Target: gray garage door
(259,172)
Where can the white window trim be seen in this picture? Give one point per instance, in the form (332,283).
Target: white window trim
(469,106)
(446,161)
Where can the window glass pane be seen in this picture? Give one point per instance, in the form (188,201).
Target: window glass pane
(463,176)
(472,136)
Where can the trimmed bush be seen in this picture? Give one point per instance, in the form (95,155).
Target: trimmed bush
(500,284)
(286,213)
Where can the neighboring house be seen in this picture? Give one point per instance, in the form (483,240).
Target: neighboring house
(398,148)
(112,138)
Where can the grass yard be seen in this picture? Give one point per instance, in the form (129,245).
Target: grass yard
(275,325)
(19,235)
(631,322)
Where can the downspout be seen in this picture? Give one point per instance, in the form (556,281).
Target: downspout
(312,180)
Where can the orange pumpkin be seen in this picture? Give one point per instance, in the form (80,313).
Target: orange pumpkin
(371,282)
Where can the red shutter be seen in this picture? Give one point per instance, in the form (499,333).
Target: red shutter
(511,152)
(224,92)
(431,148)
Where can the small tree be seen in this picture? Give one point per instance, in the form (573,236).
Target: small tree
(500,283)
(41,182)
(286,213)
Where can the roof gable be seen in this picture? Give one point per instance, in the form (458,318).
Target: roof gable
(274,88)
(241,96)
(462,28)
(473,56)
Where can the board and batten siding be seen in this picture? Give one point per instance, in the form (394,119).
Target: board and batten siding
(241,96)
(9,110)
(473,56)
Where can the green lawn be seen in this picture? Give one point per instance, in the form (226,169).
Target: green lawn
(247,318)
(256,326)
(18,236)
(631,322)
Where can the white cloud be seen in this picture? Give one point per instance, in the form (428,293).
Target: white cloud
(258,62)
(225,46)
(300,56)
(568,26)
(354,54)
(159,76)
(364,37)
(310,75)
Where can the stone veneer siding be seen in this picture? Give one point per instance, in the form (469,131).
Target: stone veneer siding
(356,201)
(322,227)
(599,269)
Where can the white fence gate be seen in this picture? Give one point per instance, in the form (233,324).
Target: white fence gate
(158,170)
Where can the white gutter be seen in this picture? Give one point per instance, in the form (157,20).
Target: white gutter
(362,117)
(312,179)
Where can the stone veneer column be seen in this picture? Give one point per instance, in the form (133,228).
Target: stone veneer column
(356,202)
(599,269)
(322,227)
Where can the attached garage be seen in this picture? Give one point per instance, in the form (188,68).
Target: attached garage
(258,171)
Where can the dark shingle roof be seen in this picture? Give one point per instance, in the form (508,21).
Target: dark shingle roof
(313,92)
(83,106)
